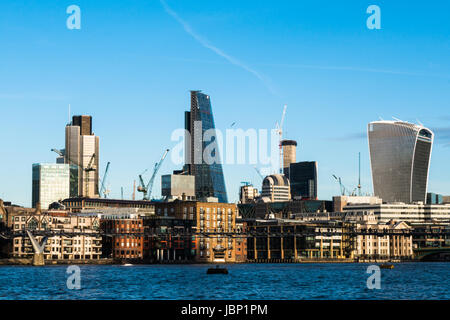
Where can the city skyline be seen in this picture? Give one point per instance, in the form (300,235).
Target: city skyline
(334,85)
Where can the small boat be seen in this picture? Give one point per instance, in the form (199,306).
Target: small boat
(217,270)
(127,265)
(386,266)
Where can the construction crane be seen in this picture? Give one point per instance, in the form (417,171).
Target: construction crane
(259,172)
(102,188)
(88,171)
(279,129)
(89,168)
(341,185)
(147,189)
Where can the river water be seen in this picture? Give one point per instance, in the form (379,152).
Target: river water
(244,281)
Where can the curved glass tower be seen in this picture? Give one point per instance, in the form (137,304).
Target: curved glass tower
(400,154)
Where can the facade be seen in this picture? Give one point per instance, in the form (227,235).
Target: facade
(417,213)
(85,246)
(289,154)
(127,241)
(169,239)
(177,186)
(400,155)
(276,188)
(281,240)
(209,179)
(386,246)
(284,210)
(303,179)
(206,217)
(82,151)
(433,198)
(339,202)
(51,183)
(248,194)
(100,205)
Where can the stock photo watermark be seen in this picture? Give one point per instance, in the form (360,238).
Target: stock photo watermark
(374,20)
(374,280)
(235,146)
(74,280)
(74,20)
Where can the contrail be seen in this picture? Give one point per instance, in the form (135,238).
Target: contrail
(213,48)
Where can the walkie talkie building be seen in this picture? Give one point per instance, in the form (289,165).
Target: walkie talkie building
(400,154)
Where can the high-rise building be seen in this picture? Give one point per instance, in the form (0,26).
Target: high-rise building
(50,183)
(289,154)
(303,179)
(400,154)
(209,179)
(82,150)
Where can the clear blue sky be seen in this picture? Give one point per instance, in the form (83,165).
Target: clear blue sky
(132,64)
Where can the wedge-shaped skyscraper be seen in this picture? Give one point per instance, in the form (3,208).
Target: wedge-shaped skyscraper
(400,155)
(209,179)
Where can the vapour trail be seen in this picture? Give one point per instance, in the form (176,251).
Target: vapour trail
(205,43)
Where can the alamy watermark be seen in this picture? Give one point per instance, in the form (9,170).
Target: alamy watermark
(74,20)
(374,280)
(235,146)
(74,280)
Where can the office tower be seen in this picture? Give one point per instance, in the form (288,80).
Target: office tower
(289,154)
(276,188)
(82,150)
(400,155)
(50,183)
(303,178)
(209,179)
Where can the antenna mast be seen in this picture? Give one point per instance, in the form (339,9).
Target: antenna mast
(359,176)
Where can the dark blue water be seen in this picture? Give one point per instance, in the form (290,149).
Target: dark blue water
(244,281)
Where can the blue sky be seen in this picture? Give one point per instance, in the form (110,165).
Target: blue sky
(132,64)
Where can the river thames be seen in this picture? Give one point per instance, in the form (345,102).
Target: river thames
(244,281)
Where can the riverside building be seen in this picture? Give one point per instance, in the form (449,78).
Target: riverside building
(213,218)
(402,212)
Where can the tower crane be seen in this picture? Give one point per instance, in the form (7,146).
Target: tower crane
(102,188)
(341,185)
(279,129)
(147,189)
(89,168)
(259,173)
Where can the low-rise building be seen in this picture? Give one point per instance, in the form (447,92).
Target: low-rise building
(411,213)
(123,236)
(380,240)
(211,221)
(70,237)
(81,204)
(293,240)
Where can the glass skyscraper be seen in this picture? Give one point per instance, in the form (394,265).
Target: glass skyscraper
(51,182)
(400,154)
(303,179)
(209,179)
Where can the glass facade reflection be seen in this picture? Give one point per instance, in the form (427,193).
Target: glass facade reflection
(400,154)
(209,179)
(51,182)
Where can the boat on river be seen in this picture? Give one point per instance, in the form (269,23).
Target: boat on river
(217,270)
